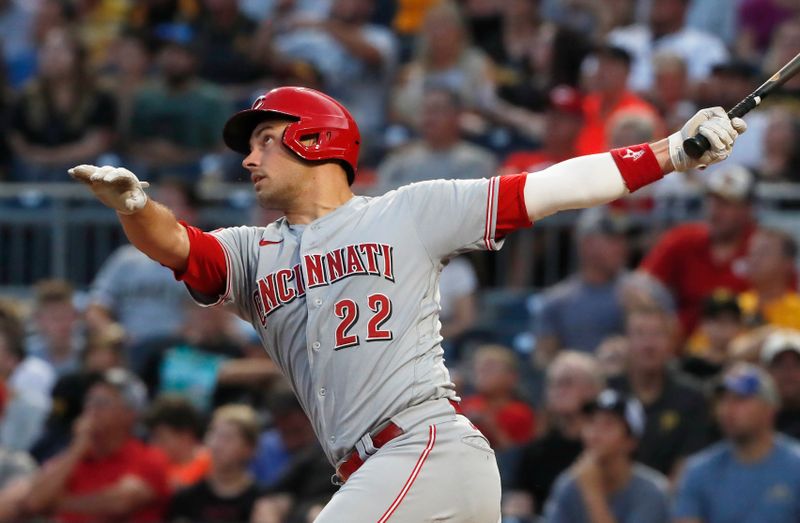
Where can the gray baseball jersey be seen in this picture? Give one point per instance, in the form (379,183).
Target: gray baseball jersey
(347,306)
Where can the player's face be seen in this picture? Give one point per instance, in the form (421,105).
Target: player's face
(277,174)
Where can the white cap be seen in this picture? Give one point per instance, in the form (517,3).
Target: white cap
(732,182)
(778,342)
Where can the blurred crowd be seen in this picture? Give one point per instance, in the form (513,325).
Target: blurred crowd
(659,381)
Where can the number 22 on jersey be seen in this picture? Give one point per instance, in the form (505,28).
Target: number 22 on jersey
(347,311)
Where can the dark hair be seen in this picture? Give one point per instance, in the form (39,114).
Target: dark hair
(615,53)
(12,330)
(175,412)
(186,189)
(788,243)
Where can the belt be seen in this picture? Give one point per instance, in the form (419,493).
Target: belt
(369,445)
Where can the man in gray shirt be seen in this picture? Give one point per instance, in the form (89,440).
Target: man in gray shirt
(441,153)
(605,484)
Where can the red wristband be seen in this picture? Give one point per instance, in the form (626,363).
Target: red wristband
(638,165)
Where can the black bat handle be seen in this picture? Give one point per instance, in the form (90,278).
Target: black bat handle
(698,144)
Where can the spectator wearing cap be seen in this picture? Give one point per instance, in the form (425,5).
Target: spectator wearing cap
(773,298)
(666,31)
(105,473)
(176,427)
(229,492)
(590,297)
(573,379)
(753,475)
(693,260)
(606,484)
(607,75)
(563,121)
(441,151)
(781,356)
(677,418)
(176,119)
(708,350)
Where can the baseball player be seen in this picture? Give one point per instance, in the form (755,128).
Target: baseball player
(343,289)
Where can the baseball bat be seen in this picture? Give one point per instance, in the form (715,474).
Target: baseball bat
(697,145)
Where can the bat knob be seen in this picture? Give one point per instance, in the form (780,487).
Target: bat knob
(696,146)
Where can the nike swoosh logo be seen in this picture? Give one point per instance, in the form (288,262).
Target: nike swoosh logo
(267,242)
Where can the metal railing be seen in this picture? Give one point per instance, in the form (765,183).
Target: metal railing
(60,230)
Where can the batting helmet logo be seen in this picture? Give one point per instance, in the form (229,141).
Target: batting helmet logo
(313,114)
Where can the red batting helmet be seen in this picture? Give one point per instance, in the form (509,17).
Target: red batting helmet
(314,113)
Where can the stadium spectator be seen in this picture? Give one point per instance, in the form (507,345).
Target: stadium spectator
(607,71)
(752,475)
(670,93)
(138,292)
(206,363)
(783,47)
(356,60)
(58,337)
(105,473)
(563,121)
(573,379)
(494,407)
(781,356)
(175,427)
(666,30)
(708,351)
(223,45)
(773,299)
(61,117)
(441,152)
(676,411)
(780,159)
(148,17)
(606,484)
(759,21)
(590,297)
(229,492)
(612,355)
(444,57)
(693,260)
(28,380)
(290,463)
(176,120)
(458,285)
(126,71)
(16,469)
(104,351)
(19,49)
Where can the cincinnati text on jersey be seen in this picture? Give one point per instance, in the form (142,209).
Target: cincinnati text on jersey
(285,285)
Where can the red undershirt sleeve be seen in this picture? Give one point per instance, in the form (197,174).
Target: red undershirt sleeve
(207,270)
(512,213)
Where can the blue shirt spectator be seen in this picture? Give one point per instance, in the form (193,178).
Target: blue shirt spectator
(642,500)
(754,475)
(718,487)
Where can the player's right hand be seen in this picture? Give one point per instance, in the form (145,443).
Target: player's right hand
(116,187)
(719,130)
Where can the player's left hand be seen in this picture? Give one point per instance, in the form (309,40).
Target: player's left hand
(714,124)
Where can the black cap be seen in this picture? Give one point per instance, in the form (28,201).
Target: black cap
(627,408)
(719,302)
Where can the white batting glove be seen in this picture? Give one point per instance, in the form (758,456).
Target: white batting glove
(720,131)
(116,187)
